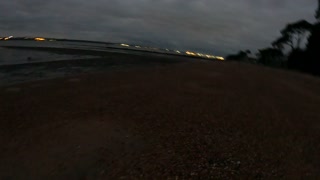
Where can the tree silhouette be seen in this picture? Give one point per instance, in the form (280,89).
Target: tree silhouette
(293,34)
(313,51)
(312,63)
(281,41)
(240,56)
(317,16)
(270,56)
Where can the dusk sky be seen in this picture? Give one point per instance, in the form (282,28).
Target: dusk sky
(214,26)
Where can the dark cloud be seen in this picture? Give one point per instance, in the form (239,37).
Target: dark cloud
(216,26)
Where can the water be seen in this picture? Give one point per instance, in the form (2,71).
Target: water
(25,69)
(22,56)
(57,44)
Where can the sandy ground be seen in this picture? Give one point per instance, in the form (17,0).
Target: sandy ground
(214,120)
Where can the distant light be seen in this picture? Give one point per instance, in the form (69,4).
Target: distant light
(178,51)
(1,38)
(167,49)
(220,58)
(137,46)
(125,45)
(7,38)
(52,40)
(205,55)
(214,57)
(39,39)
(190,53)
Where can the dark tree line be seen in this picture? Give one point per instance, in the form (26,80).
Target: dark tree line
(297,48)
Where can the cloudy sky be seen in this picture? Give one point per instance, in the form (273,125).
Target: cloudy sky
(216,26)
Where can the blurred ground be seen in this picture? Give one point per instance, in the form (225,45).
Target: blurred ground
(202,119)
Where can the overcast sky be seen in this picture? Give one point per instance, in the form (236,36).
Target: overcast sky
(215,26)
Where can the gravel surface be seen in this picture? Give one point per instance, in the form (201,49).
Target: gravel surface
(196,120)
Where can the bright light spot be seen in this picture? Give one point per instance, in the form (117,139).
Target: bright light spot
(167,49)
(39,39)
(178,51)
(1,38)
(205,55)
(7,38)
(215,57)
(220,58)
(125,45)
(190,53)
(137,46)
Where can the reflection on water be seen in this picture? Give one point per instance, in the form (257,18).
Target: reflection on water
(69,58)
(21,56)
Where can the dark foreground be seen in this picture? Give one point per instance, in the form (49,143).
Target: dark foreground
(206,119)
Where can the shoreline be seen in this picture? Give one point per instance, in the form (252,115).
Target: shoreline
(17,73)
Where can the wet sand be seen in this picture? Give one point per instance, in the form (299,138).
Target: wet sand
(201,119)
(105,61)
